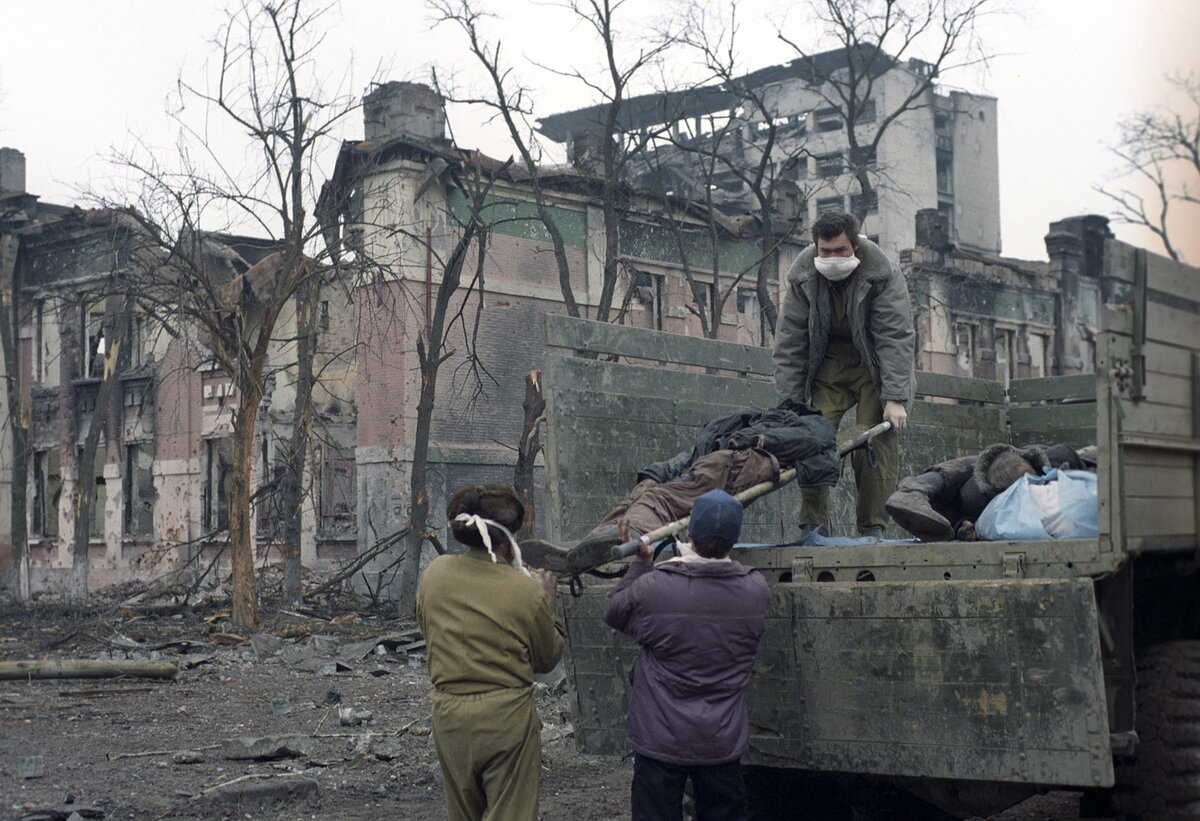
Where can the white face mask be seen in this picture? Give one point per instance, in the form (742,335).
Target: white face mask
(835,269)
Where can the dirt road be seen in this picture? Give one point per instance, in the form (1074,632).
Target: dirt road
(338,709)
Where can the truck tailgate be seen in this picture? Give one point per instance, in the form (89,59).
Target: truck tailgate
(980,680)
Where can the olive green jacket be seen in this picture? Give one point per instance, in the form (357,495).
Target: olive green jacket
(881,325)
(486,626)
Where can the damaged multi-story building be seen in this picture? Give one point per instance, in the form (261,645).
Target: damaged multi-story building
(398,199)
(162,480)
(940,152)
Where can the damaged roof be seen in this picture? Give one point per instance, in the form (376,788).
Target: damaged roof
(659,108)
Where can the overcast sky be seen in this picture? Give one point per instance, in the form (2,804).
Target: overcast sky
(79,77)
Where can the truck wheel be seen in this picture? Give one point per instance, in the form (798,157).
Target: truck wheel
(1162,779)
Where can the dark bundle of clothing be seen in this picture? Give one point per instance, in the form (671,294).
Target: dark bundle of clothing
(943,503)
(732,453)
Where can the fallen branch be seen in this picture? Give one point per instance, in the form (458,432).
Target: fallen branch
(401,731)
(113,691)
(223,784)
(361,561)
(145,753)
(84,668)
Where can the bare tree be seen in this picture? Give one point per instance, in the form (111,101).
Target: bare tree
(607,142)
(933,37)
(266,84)
(113,331)
(432,351)
(1160,153)
(739,146)
(16,422)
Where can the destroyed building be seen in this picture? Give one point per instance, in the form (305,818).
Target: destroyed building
(162,495)
(999,318)
(939,153)
(393,199)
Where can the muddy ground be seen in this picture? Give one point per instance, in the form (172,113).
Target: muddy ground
(335,692)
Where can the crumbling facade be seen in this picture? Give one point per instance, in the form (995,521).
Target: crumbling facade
(162,495)
(162,499)
(941,153)
(998,318)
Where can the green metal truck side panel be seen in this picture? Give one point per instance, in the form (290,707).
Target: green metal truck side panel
(994,681)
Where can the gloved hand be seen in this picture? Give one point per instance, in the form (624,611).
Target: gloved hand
(895,413)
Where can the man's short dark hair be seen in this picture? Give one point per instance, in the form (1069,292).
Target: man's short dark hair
(713,548)
(832,223)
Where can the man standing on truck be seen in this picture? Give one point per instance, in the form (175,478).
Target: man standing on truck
(845,339)
(698,619)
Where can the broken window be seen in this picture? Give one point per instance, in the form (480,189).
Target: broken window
(863,157)
(747,302)
(1005,355)
(827,204)
(218,466)
(827,119)
(41,368)
(138,486)
(946,209)
(702,296)
(830,165)
(99,492)
(137,331)
(93,340)
(866,112)
(864,203)
(266,502)
(647,291)
(47,492)
(339,509)
(964,340)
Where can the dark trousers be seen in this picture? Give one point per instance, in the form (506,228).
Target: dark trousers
(657,793)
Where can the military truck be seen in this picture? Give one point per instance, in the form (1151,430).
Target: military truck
(971,674)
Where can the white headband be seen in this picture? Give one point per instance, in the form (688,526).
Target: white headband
(481,524)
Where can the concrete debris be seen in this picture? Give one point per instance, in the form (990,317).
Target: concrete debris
(188,757)
(349,717)
(265,645)
(281,705)
(359,650)
(31,766)
(257,792)
(236,749)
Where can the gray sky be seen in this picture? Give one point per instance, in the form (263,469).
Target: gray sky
(78,78)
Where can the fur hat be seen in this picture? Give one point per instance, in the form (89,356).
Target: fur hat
(998,466)
(499,503)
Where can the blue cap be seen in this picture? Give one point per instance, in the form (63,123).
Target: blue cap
(715,516)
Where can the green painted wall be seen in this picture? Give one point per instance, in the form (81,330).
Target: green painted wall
(661,243)
(517,218)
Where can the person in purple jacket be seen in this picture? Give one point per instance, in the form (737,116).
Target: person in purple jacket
(698,619)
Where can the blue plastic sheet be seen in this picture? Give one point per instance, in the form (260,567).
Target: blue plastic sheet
(1031,508)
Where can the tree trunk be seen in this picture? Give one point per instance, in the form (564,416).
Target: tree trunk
(245,598)
(86,482)
(527,451)
(17,417)
(418,493)
(292,484)
(86,668)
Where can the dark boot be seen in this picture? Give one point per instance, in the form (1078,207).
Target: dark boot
(920,503)
(545,556)
(595,549)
